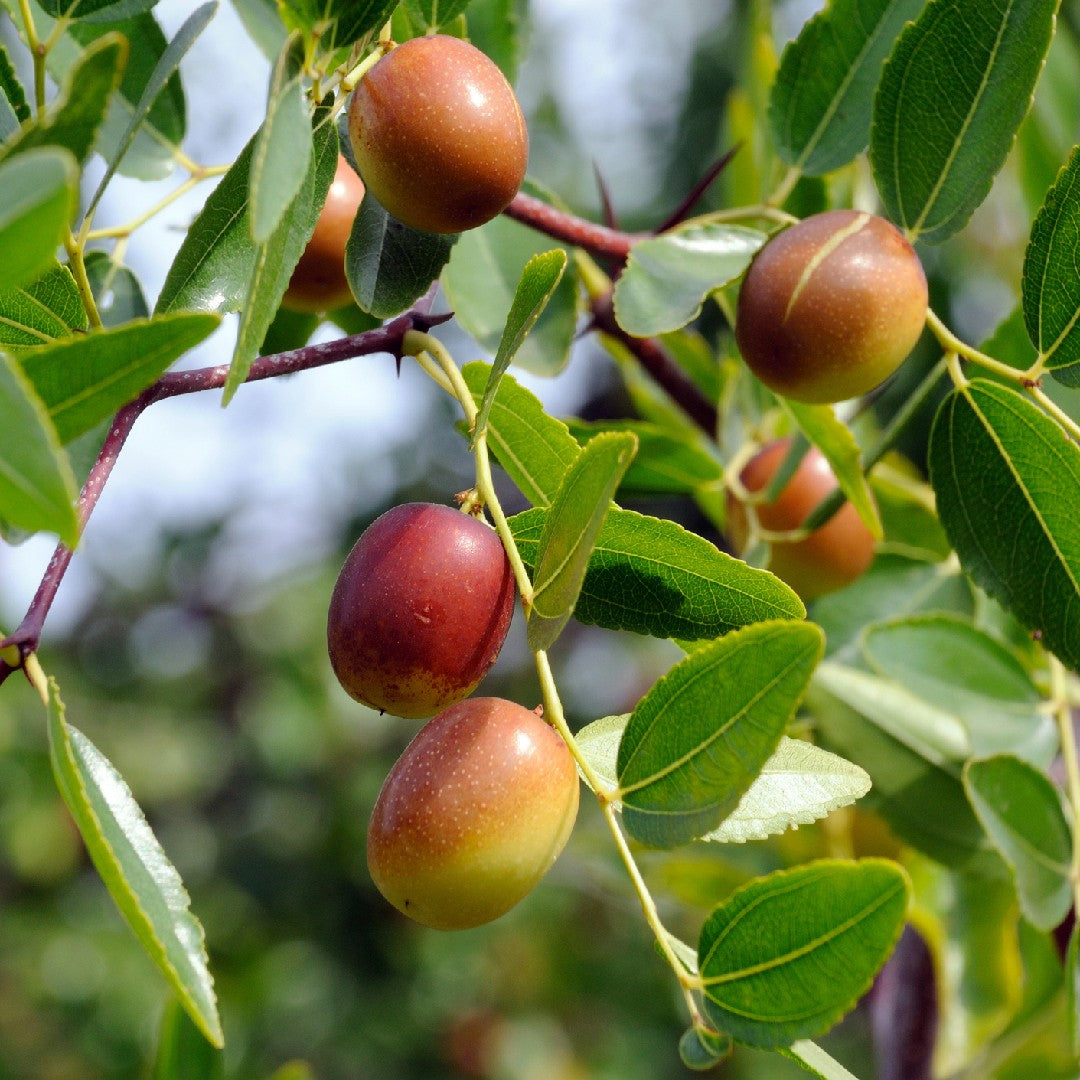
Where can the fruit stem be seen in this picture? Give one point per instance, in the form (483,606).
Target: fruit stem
(348,83)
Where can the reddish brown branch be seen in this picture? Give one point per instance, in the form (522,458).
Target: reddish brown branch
(383,339)
(597,239)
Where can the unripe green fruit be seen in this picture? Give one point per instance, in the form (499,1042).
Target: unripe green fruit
(318,283)
(830,557)
(420,609)
(831,307)
(472,815)
(438,135)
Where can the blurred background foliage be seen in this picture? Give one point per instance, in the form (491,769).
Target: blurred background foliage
(193,654)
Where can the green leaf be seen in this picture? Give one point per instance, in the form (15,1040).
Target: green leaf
(923,726)
(539,280)
(45,310)
(651,576)
(389,265)
(570,530)
(667,278)
(279,165)
(923,803)
(799,784)
(165,70)
(894,585)
(535,449)
(1022,814)
(84,380)
(821,101)
(37,489)
(116,289)
(151,154)
(72,122)
(213,268)
(13,107)
(355,18)
(945,661)
(432,14)
(76,9)
(275,260)
(495,28)
(951,98)
(1050,287)
(183,1052)
(813,1059)
(262,21)
(834,439)
(790,953)
(40,198)
(995,459)
(1072,989)
(481,279)
(702,734)
(143,883)
(665,464)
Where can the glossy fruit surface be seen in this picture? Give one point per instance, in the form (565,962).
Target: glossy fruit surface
(831,307)
(420,609)
(830,557)
(472,815)
(438,135)
(318,283)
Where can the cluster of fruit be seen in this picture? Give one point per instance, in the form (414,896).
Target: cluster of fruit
(483,800)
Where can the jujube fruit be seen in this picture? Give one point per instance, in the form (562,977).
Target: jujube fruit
(831,307)
(830,557)
(420,609)
(318,283)
(438,135)
(472,815)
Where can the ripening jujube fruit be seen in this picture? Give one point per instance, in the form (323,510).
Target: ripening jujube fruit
(833,555)
(318,283)
(420,610)
(438,135)
(472,815)
(831,307)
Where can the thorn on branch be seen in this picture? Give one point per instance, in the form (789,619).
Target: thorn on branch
(682,211)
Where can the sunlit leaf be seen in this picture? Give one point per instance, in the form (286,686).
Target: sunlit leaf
(46,309)
(788,954)
(143,883)
(951,98)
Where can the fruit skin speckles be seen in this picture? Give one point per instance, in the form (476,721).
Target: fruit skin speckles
(438,135)
(473,814)
(831,307)
(420,610)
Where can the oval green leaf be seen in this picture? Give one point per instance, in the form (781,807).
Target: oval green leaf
(570,531)
(945,661)
(276,258)
(40,198)
(999,467)
(651,576)
(37,488)
(47,309)
(539,280)
(702,734)
(1023,816)
(141,880)
(789,954)
(668,277)
(480,282)
(85,379)
(389,265)
(821,101)
(279,165)
(1050,286)
(951,98)
(535,449)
